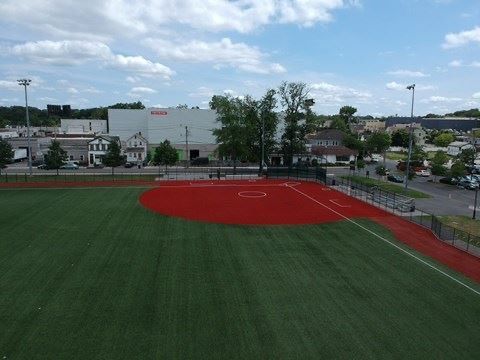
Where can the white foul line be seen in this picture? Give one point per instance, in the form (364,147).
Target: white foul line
(389,242)
(333,201)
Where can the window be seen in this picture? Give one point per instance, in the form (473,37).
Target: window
(70,157)
(81,158)
(97,147)
(140,143)
(135,155)
(139,156)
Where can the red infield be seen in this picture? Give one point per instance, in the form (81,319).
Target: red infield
(281,202)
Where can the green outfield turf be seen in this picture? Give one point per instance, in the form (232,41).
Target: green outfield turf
(90,274)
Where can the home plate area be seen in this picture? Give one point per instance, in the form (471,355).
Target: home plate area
(259,202)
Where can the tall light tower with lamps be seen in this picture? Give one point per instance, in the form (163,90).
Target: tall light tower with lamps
(25,83)
(410,136)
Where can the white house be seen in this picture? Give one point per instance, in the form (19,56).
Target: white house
(136,148)
(455,148)
(98,148)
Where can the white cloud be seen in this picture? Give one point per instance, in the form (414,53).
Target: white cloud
(476,95)
(400,87)
(395,86)
(67,52)
(408,73)
(221,53)
(330,94)
(9,85)
(76,52)
(454,40)
(47,99)
(202,91)
(104,20)
(455,63)
(440,99)
(460,63)
(143,90)
(72,90)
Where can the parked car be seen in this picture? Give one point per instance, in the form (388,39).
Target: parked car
(43,167)
(424,173)
(395,178)
(128,164)
(98,165)
(69,166)
(467,184)
(449,180)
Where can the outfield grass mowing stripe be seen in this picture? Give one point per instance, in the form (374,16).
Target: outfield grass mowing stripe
(409,253)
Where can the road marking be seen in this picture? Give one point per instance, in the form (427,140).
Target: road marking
(390,243)
(334,201)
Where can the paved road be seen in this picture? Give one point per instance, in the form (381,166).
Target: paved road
(445,199)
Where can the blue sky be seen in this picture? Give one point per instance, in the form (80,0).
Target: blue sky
(350,52)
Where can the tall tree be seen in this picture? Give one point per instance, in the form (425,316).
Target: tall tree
(458,169)
(379,142)
(5,153)
(444,139)
(165,154)
(467,156)
(113,157)
(400,138)
(439,160)
(56,156)
(347,114)
(292,98)
(231,134)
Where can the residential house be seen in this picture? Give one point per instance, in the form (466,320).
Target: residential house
(98,148)
(327,147)
(136,148)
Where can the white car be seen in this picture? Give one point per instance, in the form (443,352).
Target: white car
(424,173)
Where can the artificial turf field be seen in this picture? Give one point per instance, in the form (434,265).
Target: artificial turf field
(91,274)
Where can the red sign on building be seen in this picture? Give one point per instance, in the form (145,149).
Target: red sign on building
(158,112)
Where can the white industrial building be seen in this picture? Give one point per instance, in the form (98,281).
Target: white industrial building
(83,126)
(188,130)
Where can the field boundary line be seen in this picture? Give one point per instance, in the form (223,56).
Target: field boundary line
(389,242)
(76,187)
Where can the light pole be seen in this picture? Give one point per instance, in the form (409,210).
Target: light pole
(25,83)
(410,136)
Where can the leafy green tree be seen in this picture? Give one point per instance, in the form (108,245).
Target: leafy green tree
(444,139)
(292,98)
(56,156)
(438,162)
(467,156)
(113,157)
(347,113)
(400,138)
(5,153)
(165,154)
(232,131)
(378,142)
(458,169)
(339,124)
(418,154)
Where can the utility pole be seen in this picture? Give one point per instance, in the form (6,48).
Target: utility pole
(186,146)
(410,136)
(25,83)
(263,145)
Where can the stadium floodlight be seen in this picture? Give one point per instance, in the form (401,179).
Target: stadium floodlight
(410,135)
(25,83)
